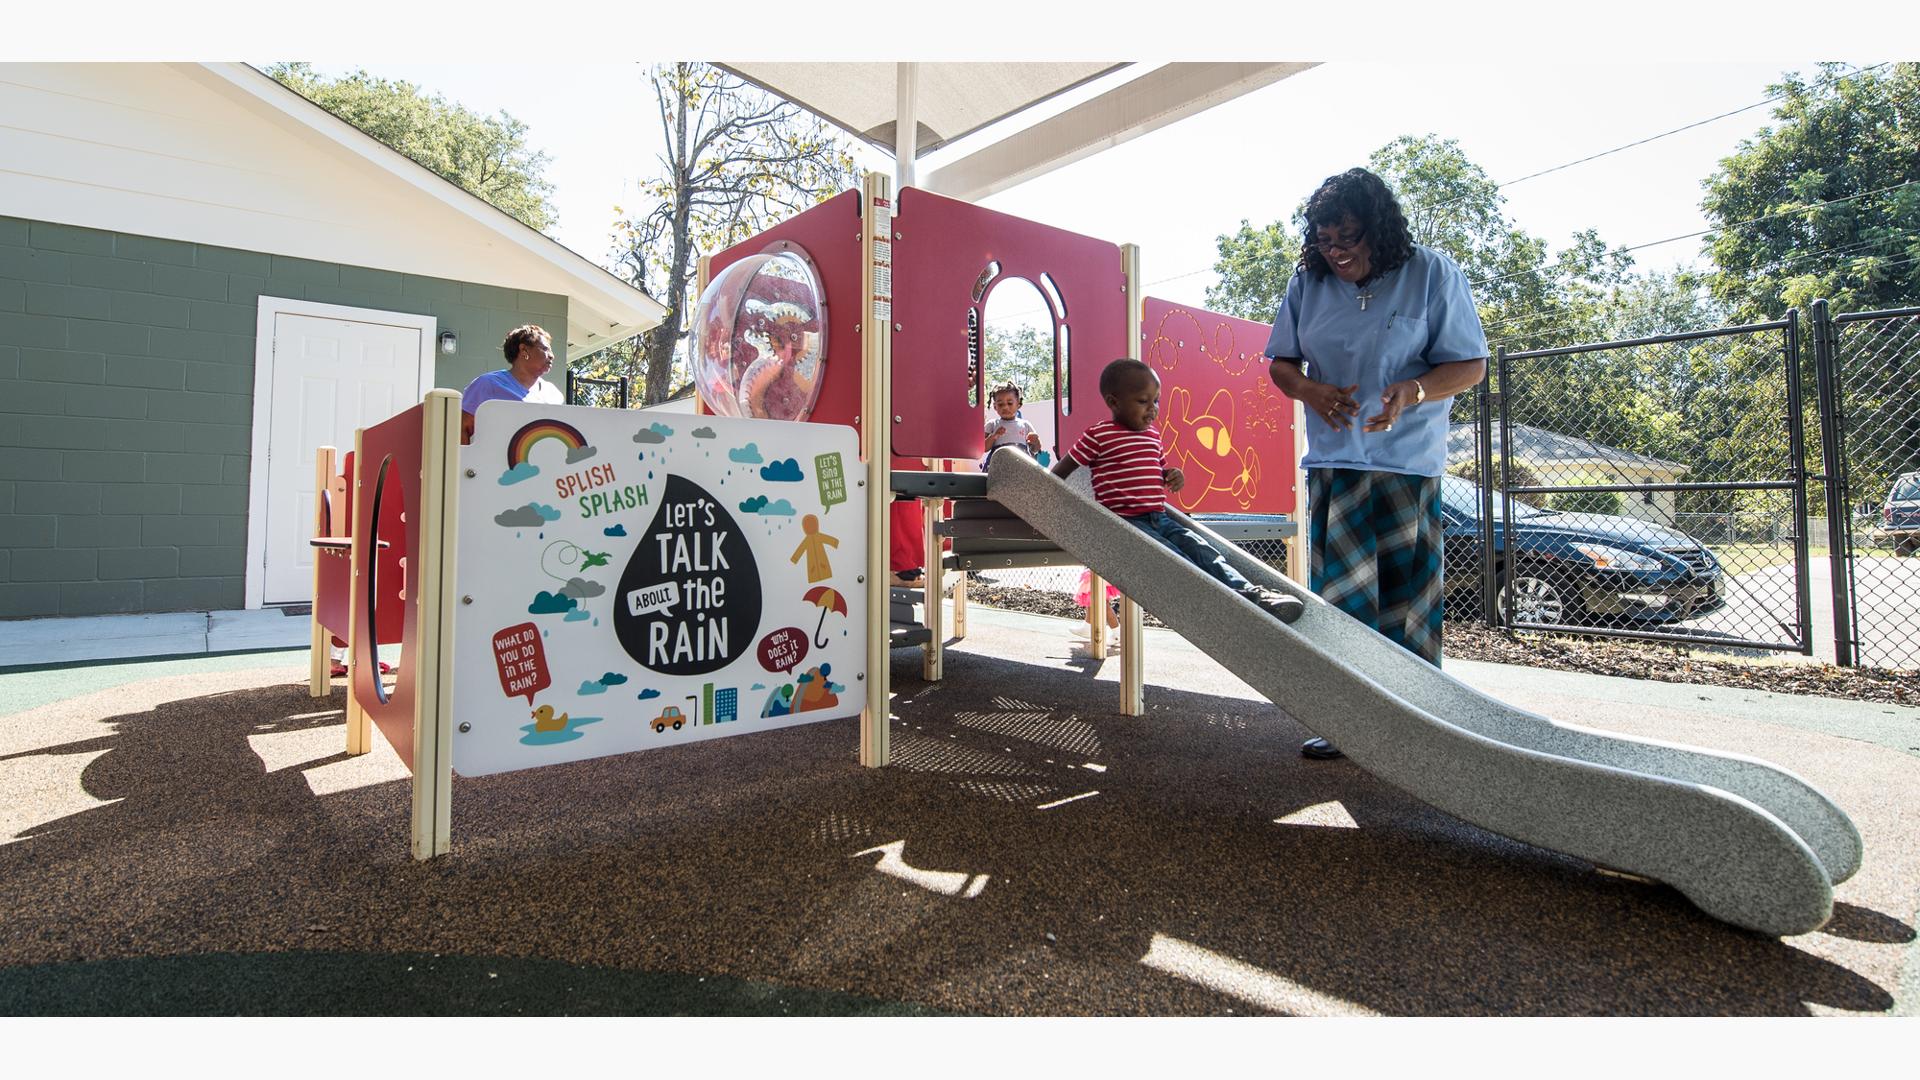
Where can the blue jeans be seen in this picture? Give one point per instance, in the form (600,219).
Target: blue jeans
(1192,547)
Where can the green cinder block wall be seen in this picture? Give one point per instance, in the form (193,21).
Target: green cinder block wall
(126,405)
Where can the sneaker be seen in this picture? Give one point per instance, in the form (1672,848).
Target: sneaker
(1320,750)
(1283,606)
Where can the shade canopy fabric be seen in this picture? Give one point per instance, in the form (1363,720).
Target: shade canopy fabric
(950,101)
(955,99)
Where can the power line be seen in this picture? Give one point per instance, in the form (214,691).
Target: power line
(1594,157)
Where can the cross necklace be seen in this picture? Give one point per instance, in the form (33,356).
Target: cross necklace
(1363,296)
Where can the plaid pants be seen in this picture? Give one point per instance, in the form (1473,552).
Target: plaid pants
(1375,539)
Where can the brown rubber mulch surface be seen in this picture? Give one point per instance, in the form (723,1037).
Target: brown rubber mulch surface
(215,815)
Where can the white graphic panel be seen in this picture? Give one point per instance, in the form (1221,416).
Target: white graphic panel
(641,580)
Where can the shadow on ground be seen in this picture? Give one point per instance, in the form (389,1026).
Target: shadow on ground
(1030,853)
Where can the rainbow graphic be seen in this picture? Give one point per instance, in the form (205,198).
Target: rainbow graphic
(521,445)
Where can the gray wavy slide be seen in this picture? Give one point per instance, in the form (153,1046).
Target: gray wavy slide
(1745,840)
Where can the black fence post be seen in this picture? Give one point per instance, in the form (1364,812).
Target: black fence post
(1834,473)
(1797,450)
(1503,590)
(1484,457)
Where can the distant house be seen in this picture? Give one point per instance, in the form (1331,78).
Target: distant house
(203,277)
(1557,459)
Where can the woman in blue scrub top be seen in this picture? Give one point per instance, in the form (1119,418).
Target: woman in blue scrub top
(1371,317)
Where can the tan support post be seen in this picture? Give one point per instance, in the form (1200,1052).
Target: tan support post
(1298,566)
(359,724)
(433,583)
(959,585)
(1096,615)
(933,611)
(876,430)
(1132,637)
(320,651)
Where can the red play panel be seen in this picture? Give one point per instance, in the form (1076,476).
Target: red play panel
(1222,421)
(390,481)
(944,253)
(830,235)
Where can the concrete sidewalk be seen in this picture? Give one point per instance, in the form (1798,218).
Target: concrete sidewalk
(39,642)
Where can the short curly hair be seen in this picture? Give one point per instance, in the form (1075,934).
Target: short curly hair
(1008,388)
(1122,374)
(1367,199)
(522,335)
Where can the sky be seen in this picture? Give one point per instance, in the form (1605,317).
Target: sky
(1175,190)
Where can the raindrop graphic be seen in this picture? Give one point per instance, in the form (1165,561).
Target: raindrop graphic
(711,615)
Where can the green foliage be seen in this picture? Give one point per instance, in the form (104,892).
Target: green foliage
(1829,193)
(1022,356)
(1254,267)
(485,155)
(737,161)
(1588,502)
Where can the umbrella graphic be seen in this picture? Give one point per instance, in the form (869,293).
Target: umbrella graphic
(829,600)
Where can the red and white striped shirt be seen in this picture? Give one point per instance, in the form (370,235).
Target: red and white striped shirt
(1127,467)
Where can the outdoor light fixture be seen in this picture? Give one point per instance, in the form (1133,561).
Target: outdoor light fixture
(449,341)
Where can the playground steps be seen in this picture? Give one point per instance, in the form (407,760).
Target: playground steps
(1746,841)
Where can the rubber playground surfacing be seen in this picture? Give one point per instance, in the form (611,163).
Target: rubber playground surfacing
(199,844)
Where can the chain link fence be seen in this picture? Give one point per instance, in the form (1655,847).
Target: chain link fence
(597,393)
(1652,488)
(1873,362)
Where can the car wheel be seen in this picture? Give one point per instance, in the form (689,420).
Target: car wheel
(1532,599)
(676,725)
(659,727)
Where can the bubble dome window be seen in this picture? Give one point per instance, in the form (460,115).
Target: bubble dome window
(761,337)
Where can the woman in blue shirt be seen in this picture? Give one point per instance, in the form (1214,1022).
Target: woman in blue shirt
(1370,317)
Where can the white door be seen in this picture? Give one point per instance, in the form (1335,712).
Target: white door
(330,376)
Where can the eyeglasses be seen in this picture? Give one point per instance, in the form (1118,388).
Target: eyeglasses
(1328,246)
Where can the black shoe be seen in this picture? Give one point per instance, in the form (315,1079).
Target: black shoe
(1282,606)
(1320,750)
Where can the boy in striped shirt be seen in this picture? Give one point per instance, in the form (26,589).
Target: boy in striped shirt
(1130,478)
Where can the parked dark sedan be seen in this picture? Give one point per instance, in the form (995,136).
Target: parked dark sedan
(1900,514)
(1579,569)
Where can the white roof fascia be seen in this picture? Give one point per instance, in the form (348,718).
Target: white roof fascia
(613,311)
(1154,100)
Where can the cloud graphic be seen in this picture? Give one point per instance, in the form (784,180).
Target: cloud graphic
(581,615)
(520,517)
(581,589)
(615,530)
(551,604)
(590,688)
(581,453)
(526,470)
(649,692)
(703,433)
(746,455)
(652,433)
(753,505)
(612,678)
(777,508)
(786,470)
(758,686)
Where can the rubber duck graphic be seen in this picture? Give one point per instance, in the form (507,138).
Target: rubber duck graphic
(592,559)
(545,720)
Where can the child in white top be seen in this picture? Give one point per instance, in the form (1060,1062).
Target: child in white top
(1007,428)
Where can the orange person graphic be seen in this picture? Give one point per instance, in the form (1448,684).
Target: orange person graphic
(814,547)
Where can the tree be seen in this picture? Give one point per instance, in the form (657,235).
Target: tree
(1526,298)
(736,161)
(485,155)
(1021,356)
(1254,267)
(1824,203)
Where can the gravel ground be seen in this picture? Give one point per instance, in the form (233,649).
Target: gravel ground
(1596,656)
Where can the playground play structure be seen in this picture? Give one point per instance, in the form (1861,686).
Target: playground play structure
(886,343)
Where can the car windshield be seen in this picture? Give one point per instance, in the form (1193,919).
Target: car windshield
(1906,489)
(1461,497)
